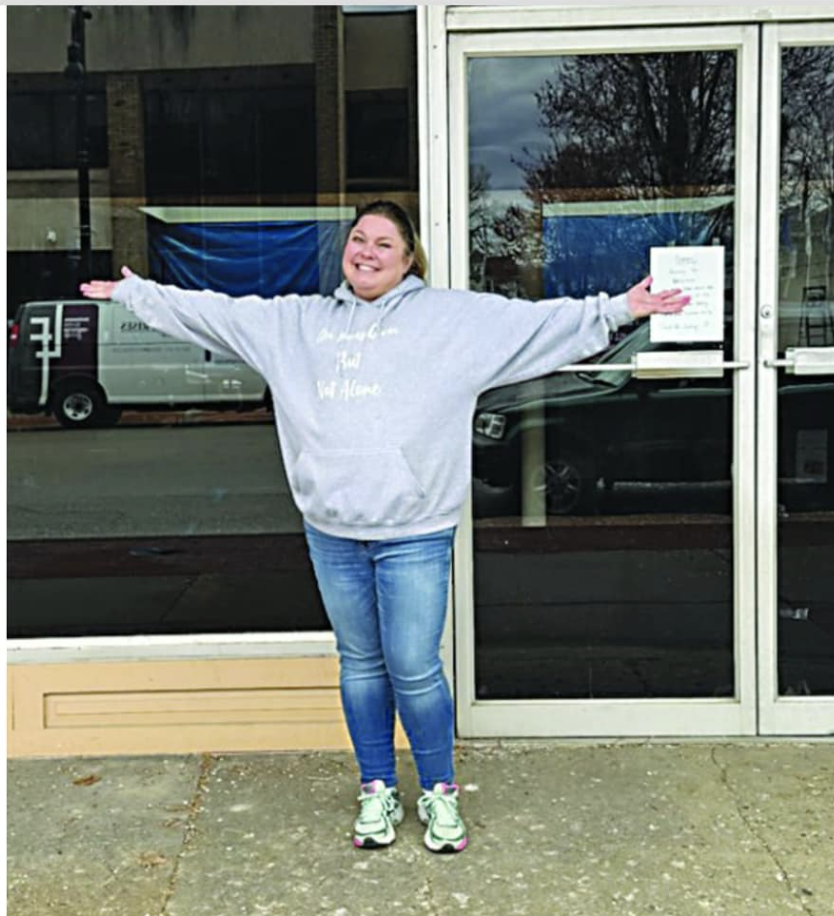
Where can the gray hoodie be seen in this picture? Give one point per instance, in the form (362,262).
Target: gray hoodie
(374,400)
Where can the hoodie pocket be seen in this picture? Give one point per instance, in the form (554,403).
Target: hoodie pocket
(357,487)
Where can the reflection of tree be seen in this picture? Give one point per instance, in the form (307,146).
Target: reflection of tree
(617,127)
(635,126)
(520,232)
(807,186)
(501,238)
(480,226)
(631,127)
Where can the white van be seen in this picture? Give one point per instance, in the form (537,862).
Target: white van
(85,360)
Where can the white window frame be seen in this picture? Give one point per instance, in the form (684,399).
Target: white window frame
(736,715)
(779,715)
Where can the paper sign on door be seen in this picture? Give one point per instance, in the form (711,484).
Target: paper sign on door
(699,272)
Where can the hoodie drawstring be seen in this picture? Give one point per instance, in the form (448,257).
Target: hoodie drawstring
(351,314)
(340,369)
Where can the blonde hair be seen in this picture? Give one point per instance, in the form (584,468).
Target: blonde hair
(398,216)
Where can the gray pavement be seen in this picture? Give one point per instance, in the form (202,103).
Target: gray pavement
(725,829)
(148,481)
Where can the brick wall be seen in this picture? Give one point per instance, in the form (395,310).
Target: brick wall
(328,48)
(126,150)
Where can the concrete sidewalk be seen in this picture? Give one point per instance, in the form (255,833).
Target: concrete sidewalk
(742,829)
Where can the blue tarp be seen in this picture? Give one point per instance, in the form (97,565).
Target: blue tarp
(588,253)
(267,258)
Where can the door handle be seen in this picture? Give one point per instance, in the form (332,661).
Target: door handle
(684,364)
(667,364)
(805,361)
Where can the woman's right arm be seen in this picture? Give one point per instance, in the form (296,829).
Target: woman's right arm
(242,327)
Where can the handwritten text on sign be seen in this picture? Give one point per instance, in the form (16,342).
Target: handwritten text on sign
(699,272)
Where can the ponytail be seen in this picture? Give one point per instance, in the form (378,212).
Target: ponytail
(420,264)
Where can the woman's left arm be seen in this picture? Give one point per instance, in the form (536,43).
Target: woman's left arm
(527,339)
(241,327)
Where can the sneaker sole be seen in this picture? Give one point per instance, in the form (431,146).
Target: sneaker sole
(446,846)
(369,842)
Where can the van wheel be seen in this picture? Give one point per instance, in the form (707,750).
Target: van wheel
(80,405)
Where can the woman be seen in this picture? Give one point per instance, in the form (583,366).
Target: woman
(374,390)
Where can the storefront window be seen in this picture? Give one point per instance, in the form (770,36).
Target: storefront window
(600,491)
(806,402)
(222,147)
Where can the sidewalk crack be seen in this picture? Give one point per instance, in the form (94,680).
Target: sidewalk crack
(758,836)
(428,896)
(195,807)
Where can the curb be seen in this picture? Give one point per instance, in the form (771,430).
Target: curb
(34,422)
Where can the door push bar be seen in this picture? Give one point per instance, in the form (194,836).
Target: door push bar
(805,361)
(667,364)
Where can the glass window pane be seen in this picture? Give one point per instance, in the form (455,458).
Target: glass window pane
(806,402)
(146,488)
(603,526)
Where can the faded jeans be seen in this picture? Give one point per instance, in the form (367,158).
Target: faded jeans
(386,601)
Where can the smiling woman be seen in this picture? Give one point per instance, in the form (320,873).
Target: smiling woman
(375,258)
(382,248)
(362,380)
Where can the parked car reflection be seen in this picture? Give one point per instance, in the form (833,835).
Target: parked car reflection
(615,443)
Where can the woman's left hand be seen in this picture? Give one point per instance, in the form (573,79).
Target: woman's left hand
(642,302)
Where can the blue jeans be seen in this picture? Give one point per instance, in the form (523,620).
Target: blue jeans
(386,601)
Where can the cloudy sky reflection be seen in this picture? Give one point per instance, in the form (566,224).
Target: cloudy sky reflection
(503,116)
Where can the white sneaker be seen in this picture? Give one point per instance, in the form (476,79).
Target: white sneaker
(446,831)
(379,812)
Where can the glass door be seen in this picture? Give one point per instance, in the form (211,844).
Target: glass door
(605,576)
(796,380)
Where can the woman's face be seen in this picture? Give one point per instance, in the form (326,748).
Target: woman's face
(375,257)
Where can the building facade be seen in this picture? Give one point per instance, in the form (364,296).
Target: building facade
(647,544)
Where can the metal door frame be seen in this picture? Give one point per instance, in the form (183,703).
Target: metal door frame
(785,715)
(444,179)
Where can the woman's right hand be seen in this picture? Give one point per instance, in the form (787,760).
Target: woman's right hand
(103,289)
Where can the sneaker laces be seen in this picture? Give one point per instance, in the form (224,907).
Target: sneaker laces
(443,807)
(375,805)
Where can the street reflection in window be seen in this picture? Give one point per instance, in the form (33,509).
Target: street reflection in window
(209,147)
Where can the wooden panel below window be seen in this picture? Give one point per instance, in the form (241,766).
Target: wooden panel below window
(176,707)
